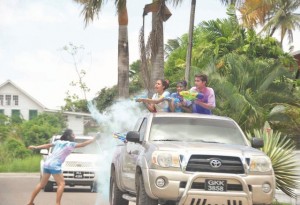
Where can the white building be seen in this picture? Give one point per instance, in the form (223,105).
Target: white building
(15,101)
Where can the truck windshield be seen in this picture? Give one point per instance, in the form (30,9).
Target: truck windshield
(196,129)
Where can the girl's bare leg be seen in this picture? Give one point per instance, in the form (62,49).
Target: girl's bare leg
(60,182)
(38,187)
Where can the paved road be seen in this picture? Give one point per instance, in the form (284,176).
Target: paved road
(15,189)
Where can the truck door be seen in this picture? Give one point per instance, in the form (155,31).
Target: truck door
(130,158)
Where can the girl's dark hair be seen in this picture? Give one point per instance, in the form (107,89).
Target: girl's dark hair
(67,135)
(183,83)
(165,83)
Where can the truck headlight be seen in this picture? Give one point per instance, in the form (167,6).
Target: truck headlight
(165,159)
(260,164)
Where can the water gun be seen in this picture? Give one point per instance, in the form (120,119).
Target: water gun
(191,95)
(120,136)
(135,98)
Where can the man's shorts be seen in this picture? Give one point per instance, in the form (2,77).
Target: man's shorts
(51,171)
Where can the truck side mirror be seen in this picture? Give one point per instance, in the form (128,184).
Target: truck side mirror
(133,136)
(257,142)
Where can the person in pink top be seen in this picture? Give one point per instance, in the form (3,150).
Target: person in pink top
(52,166)
(208,102)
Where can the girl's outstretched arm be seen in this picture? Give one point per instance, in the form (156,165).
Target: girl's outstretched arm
(43,146)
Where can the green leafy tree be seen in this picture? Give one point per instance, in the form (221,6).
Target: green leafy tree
(135,78)
(5,127)
(40,129)
(249,89)
(106,98)
(74,104)
(285,118)
(16,149)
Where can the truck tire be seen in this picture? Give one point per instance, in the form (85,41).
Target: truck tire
(142,198)
(48,187)
(115,194)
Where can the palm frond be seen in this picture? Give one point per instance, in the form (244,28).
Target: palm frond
(281,151)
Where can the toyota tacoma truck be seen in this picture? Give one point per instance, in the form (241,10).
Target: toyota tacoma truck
(190,159)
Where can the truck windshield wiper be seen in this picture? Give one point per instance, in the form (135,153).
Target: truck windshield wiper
(206,141)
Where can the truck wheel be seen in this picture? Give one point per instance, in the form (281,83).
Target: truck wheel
(48,187)
(115,194)
(142,198)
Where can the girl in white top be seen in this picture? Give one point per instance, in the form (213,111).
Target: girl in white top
(159,101)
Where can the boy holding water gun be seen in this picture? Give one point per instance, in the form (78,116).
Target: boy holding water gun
(207,102)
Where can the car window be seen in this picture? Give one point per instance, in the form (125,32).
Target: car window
(142,129)
(196,129)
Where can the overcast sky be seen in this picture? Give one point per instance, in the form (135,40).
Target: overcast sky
(33,33)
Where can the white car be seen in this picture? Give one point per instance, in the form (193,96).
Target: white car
(79,167)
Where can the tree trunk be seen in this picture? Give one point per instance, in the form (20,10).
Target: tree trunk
(157,50)
(190,44)
(159,15)
(123,55)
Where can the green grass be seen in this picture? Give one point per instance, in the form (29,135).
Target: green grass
(30,164)
(279,203)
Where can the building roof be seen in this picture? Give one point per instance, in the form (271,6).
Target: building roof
(69,112)
(40,104)
(22,91)
(295,53)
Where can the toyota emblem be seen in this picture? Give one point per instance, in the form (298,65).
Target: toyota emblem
(215,163)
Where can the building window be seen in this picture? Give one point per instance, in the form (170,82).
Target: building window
(1,100)
(15,113)
(16,99)
(1,111)
(32,114)
(8,99)
(16,116)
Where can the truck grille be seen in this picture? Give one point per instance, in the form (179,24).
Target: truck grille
(78,164)
(204,201)
(201,185)
(201,163)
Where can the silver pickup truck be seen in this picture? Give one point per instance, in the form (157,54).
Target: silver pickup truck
(190,159)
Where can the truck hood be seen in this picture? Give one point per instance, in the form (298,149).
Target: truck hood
(191,148)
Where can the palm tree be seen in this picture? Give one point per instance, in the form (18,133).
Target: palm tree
(152,54)
(92,8)
(283,17)
(123,50)
(272,15)
(191,31)
(190,44)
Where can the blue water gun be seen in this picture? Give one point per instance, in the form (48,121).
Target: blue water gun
(135,98)
(120,136)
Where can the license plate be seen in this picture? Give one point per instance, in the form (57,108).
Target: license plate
(215,185)
(78,175)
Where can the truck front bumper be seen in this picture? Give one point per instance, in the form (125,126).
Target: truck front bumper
(189,188)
